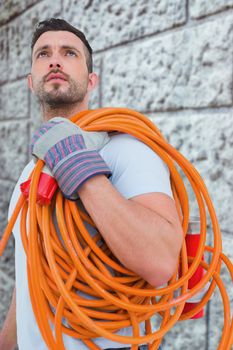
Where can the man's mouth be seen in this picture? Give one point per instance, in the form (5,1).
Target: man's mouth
(56,77)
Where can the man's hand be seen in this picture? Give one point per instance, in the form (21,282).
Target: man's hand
(70,153)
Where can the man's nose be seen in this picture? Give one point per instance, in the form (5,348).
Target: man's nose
(55,65)
(55,61)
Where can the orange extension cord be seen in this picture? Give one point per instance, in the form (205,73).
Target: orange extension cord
(121,298)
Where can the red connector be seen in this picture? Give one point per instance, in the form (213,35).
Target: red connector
(46,188)
(192,243)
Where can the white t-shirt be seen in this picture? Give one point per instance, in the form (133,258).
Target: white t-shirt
(136,170)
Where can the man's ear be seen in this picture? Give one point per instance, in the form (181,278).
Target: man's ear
(30,84)
(93,81)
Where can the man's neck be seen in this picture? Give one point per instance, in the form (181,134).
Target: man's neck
(62,111)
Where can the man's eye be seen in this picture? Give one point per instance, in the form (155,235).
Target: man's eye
(42,54)
(71,53)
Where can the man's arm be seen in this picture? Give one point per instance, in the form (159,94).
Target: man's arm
(144,233)
(8,338)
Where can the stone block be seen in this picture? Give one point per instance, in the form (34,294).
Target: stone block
(20,33)
(109,23)
(4,53)
(6,189)
(2,315)
(188,68)
(7,260)
(202,8)
(6,290)
(190,334)
(14,148)
(12,8)
(14,100)
(206,141)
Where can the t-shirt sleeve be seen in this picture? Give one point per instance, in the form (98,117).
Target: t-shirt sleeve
(136,168)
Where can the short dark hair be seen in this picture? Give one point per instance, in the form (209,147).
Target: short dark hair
(56,24)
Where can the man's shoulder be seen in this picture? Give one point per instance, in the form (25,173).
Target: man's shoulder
(128,147)
(136,168)
(124,142)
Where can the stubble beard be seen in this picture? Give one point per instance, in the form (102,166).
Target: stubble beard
(57,98)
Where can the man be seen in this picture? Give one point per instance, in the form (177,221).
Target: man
(130,200)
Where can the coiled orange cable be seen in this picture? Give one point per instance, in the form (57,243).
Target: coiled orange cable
(121,298)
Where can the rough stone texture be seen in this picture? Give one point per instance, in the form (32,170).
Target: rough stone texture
(206,141)
(10,95)
(14,152)
(190,68)
(6,288)
(181,334)
(12,8)
(6,189)
(186,335)
(7,261)
(201,8)
(4,53)
(20,32)
(122,21)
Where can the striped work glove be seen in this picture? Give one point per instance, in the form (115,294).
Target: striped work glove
(70,153)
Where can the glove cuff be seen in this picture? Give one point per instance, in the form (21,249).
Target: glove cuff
(75,169)
(63,149)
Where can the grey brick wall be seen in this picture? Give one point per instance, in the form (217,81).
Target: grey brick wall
(171,60)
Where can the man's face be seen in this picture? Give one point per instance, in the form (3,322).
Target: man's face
(59,73)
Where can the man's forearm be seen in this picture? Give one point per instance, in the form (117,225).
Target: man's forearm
(8,338)
(143,240)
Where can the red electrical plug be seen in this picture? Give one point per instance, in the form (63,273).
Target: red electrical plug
(192,243)
(46,187)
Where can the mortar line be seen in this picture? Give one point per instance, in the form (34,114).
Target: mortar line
(13,17)
(12,119)
(187,11)
(15,80)
(197,110)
